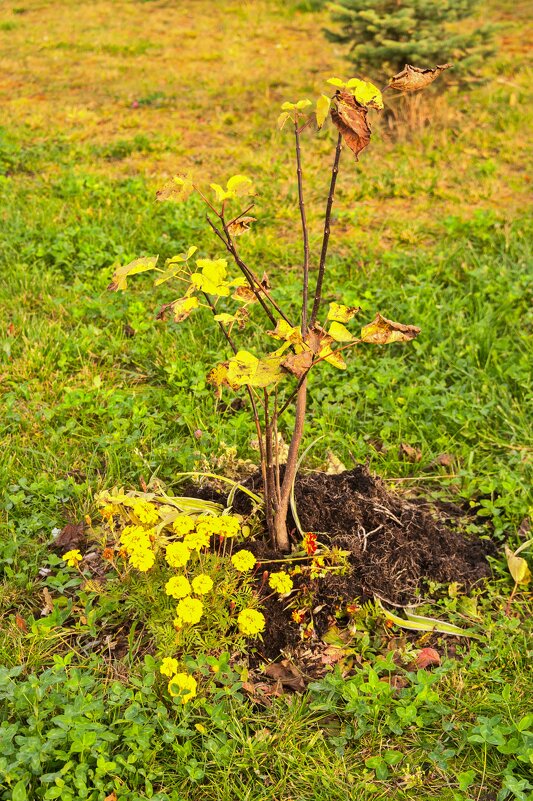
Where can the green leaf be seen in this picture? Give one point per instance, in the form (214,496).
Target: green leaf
(133,268)
(19,792)
(525,723)
(382,331)
(342,314)
(337,82)
(418,623)
(466,779)
(339,332)
(322,110)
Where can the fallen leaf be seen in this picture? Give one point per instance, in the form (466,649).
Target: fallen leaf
(442,460)
(350,120)
(10,330)
(21,623)
(70,537)
(410,454)
(111,797)
(286,674)
(382,331)
(48,603)
(334,466)
(411,79)
(427,657)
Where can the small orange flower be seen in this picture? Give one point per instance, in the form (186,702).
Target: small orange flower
(310,543)
(298,615)
(108,554)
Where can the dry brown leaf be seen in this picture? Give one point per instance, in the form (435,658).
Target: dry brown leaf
(412,79)
(245,294)
(427,657)
(21,623)
(70,537)
(410,454)
(286,674)
(48,603)
(298,364)
(111,797)
(240,226)
(383,332)
(442,460)
(350,120)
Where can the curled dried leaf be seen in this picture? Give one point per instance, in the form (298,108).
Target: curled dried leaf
(412,79)
(298,363)
(245,295)
(180,309)
(350,119)
(240,226)
(382,331)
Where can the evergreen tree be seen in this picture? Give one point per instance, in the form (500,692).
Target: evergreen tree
(384,35)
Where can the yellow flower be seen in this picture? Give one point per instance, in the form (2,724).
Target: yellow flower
(135,537)
(177,554)
(251,622)
(190,610)
(107,511)
(196,540)
(169,666)
(280,582)
(182,685)
(229,526)
(72,558)
(183,524)
(178,587)
(146,512)
(142,558)
(207,525)
(202,584)
(243,560)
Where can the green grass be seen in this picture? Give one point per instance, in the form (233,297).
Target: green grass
(431,230)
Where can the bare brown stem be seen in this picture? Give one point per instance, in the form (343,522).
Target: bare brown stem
(305,233)
(271,490)
(325,238)
(280,520)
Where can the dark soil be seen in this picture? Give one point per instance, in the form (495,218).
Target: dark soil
(396,546)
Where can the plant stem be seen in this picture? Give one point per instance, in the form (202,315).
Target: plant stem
(252,403)
(305,234)
(270,511)
(325,238)
(280,521)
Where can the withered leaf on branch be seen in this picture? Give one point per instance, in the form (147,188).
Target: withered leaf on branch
(350,120)
(382,331)
(245,295)
(240,226)
(298,363)
(177,189)
(411,79)
(180,308)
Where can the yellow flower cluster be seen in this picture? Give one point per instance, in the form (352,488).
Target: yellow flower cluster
(178,587)
(137,543)
(243,561)
(280,582)
(202,584)
(72,558)
(177,554)
(189,610)
(183,524)
(169,666)
(197,540)
(183,686)
(250,622)
(145,512)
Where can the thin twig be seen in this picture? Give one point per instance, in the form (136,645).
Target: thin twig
(305,234)
(325,238)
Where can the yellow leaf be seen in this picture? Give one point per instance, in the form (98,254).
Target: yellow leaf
(382,331)
(365,93)
(287,333)
(288,106)
(518,567)
(218,377)
(339,332)
(301,104)
(137,266)
(180,308)
(282,119)
(322,110)
(245,368)
(238,184)
(212,277)
(177,189)
(336,82)
(219,192)
(342,314)
(226,318)
(332,357)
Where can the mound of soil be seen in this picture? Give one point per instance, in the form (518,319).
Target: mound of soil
(396,546)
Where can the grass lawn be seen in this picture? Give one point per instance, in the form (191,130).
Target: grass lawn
(101,103)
